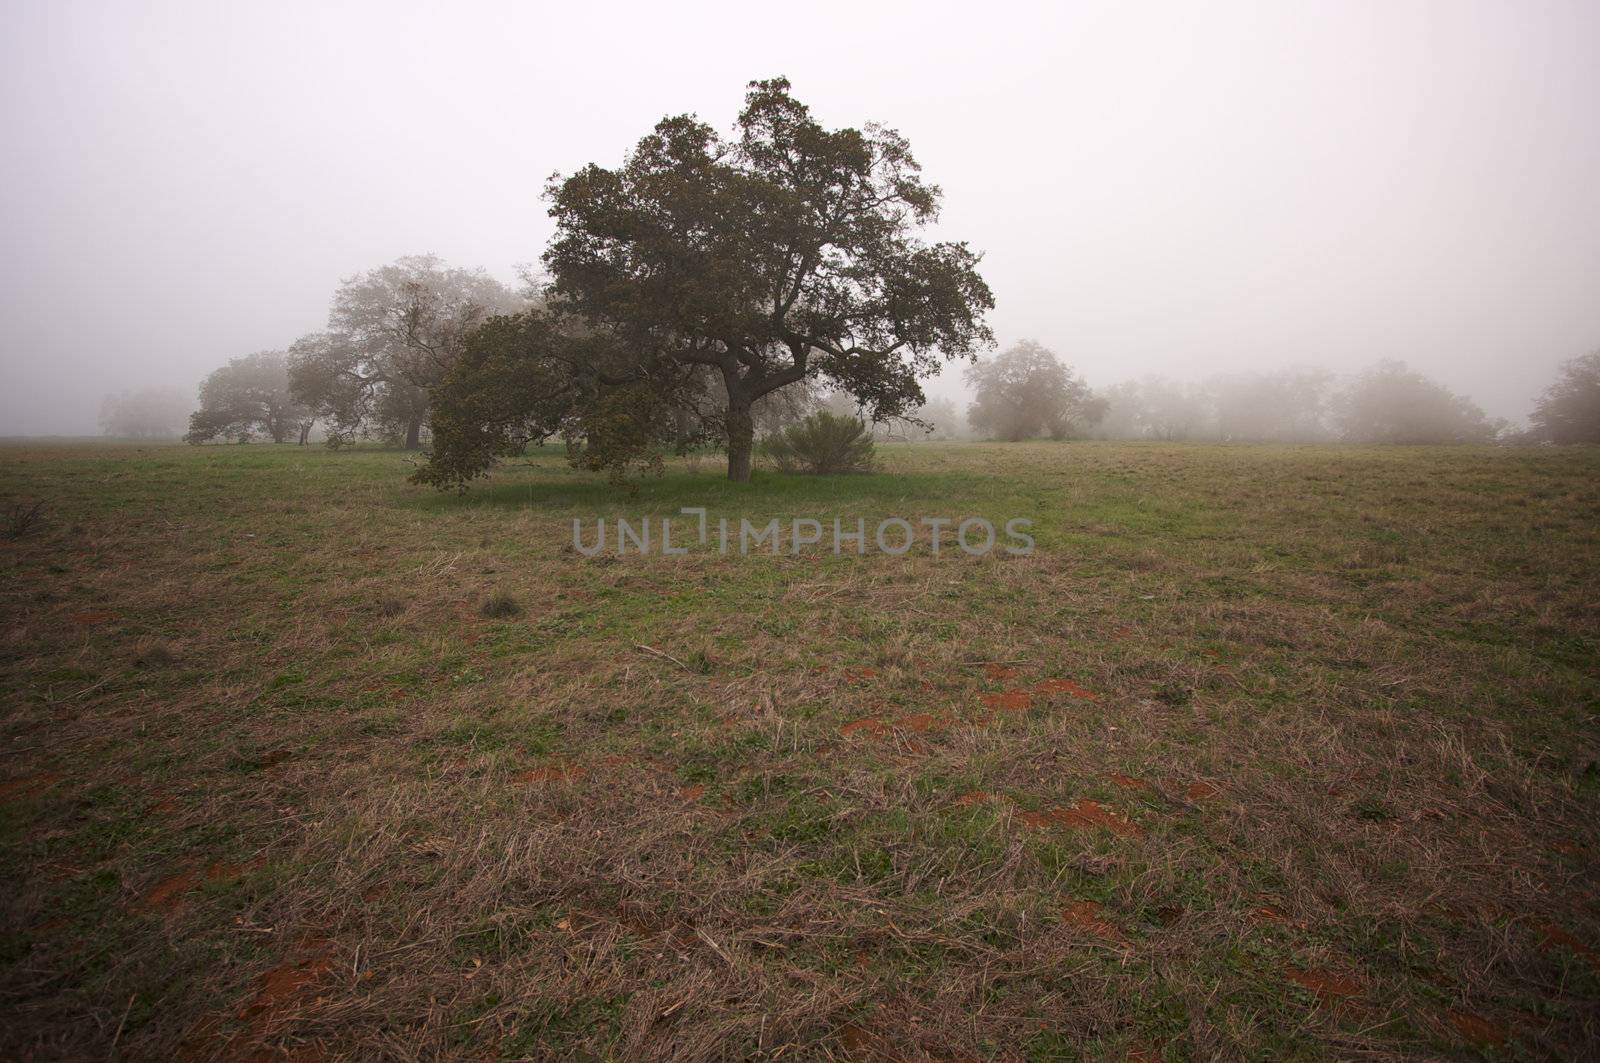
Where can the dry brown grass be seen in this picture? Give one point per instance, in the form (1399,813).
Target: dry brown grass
(1344,699)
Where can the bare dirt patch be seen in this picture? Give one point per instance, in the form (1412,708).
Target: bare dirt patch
(1328,985)
(867,725)
(1089,917)
(1007,700)
(168,893)
(1478,1030)
(556,771)
(1065,686)
(1083,814)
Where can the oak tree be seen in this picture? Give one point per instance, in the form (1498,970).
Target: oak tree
(784,253)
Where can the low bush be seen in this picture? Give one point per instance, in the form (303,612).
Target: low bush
(822,443)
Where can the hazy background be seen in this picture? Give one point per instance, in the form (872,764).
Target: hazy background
(1169,188)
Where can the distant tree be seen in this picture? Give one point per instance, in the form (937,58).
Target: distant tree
(1569,410)
(152,413)
(1172,410)
(247,396)
(788,253)
(1284,406)
(1390,403)
(1026,392)
(941,420)
(393,334)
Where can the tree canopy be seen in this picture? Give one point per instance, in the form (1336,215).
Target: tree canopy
(1569,410)
(247,396)
(393,334)
(1027,392)
(1391,403)
(786,252)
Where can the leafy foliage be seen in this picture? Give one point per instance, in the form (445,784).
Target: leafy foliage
(821,444)
(393,335)
(527,377)
(1026,392)
(1569,410)
(247,396)
(1390,403)
(787,253)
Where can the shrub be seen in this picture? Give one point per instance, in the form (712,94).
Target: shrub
(22,518)
(822,443)
(500,606)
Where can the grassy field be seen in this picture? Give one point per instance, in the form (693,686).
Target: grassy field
(1271,753)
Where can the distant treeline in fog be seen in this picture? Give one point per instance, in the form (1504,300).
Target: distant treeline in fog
(393,333)
(1027,392)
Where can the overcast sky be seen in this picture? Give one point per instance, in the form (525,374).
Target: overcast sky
(1165,188)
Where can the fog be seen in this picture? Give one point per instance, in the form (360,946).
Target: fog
(1164,189)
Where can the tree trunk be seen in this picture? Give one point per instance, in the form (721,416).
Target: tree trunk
(741,439)
(414,435)
(305,432)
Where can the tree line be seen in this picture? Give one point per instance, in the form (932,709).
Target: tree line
(712,288)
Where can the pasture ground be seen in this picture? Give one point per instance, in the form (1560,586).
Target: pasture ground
(1271,753)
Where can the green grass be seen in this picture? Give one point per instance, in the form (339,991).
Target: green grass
(1335,795)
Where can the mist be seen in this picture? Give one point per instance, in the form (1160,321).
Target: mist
(1157,190)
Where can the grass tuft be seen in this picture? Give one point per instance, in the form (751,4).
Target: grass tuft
(500,605)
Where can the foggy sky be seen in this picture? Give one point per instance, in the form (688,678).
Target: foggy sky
(1171,188)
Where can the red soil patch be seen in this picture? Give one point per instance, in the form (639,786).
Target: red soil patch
(93,616)
(166,804)
(1128,782)
(1266,913)
(222,869)
(861,1044)
(975,797)
(692,793)
(868,724)
(1122,631)
(166,893)
(1324,984)
(285,984)
(375,891)
(1200,791)
(1083,814)
(273,758)
(1000,671)
(1007,700)
(865,671)
(1087,916)
(558,772)
(1064,686)
(921,721)
(1551,935)
(1478,1030)
(28,784)
(616,760)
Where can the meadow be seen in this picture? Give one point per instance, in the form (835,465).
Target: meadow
(1263,753)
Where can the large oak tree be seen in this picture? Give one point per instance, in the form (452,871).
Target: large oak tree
(247,396)
(393,334)
(784,253)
